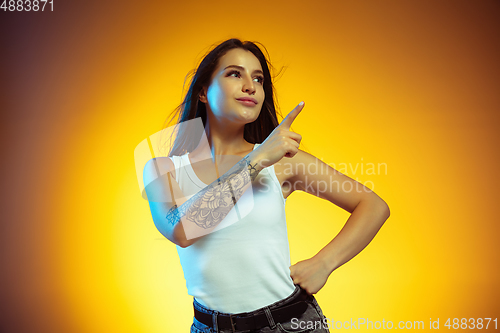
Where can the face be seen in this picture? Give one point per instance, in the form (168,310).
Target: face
(236,91)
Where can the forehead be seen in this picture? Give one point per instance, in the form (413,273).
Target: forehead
(239,57)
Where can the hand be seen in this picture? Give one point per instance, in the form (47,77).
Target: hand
(310,275)
(281,142)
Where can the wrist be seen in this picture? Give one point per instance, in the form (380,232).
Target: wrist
(327,260)
(257,157)
(255,163)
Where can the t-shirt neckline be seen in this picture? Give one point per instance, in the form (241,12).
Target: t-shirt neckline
(193,175)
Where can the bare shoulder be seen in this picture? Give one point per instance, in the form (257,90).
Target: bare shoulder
(287,168)
(156,167)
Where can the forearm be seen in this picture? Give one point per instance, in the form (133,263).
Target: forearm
(361,227)
(207,208)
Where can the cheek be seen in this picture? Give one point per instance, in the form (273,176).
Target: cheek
(215,96)
(262,92)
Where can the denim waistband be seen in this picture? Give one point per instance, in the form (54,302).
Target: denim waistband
(275,305)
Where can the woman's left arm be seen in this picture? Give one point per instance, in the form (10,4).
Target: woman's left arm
(368,214)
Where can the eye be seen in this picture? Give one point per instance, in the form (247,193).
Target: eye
(259,79)
(234,73)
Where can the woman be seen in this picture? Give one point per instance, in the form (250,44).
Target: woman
(223,195)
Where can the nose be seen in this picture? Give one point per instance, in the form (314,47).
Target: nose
(249,86)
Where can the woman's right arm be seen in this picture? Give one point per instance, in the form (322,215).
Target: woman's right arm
(201,213)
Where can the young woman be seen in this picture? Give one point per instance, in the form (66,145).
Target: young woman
(223,201)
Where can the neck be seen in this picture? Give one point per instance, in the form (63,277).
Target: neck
(225,138)
(221,140)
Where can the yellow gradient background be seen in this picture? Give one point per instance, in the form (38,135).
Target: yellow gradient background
(412,85)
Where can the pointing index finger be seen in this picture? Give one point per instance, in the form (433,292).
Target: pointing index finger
(287,122)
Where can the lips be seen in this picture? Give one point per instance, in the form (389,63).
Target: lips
(247,100)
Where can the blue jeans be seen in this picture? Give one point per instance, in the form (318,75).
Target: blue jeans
(312,320)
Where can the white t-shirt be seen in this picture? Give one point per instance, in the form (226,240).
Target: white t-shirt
(244,266)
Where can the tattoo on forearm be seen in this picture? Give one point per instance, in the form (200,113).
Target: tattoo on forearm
(211,205)
(252,170)
(173,215)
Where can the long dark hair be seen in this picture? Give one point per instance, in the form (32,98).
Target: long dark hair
(191,108)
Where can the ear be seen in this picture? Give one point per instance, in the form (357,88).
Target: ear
(203,95)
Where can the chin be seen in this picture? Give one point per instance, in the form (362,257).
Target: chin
(249,117)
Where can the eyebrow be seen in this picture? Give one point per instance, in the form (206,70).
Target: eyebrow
(243,68)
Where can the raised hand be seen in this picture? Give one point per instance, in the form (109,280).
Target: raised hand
(281,142)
